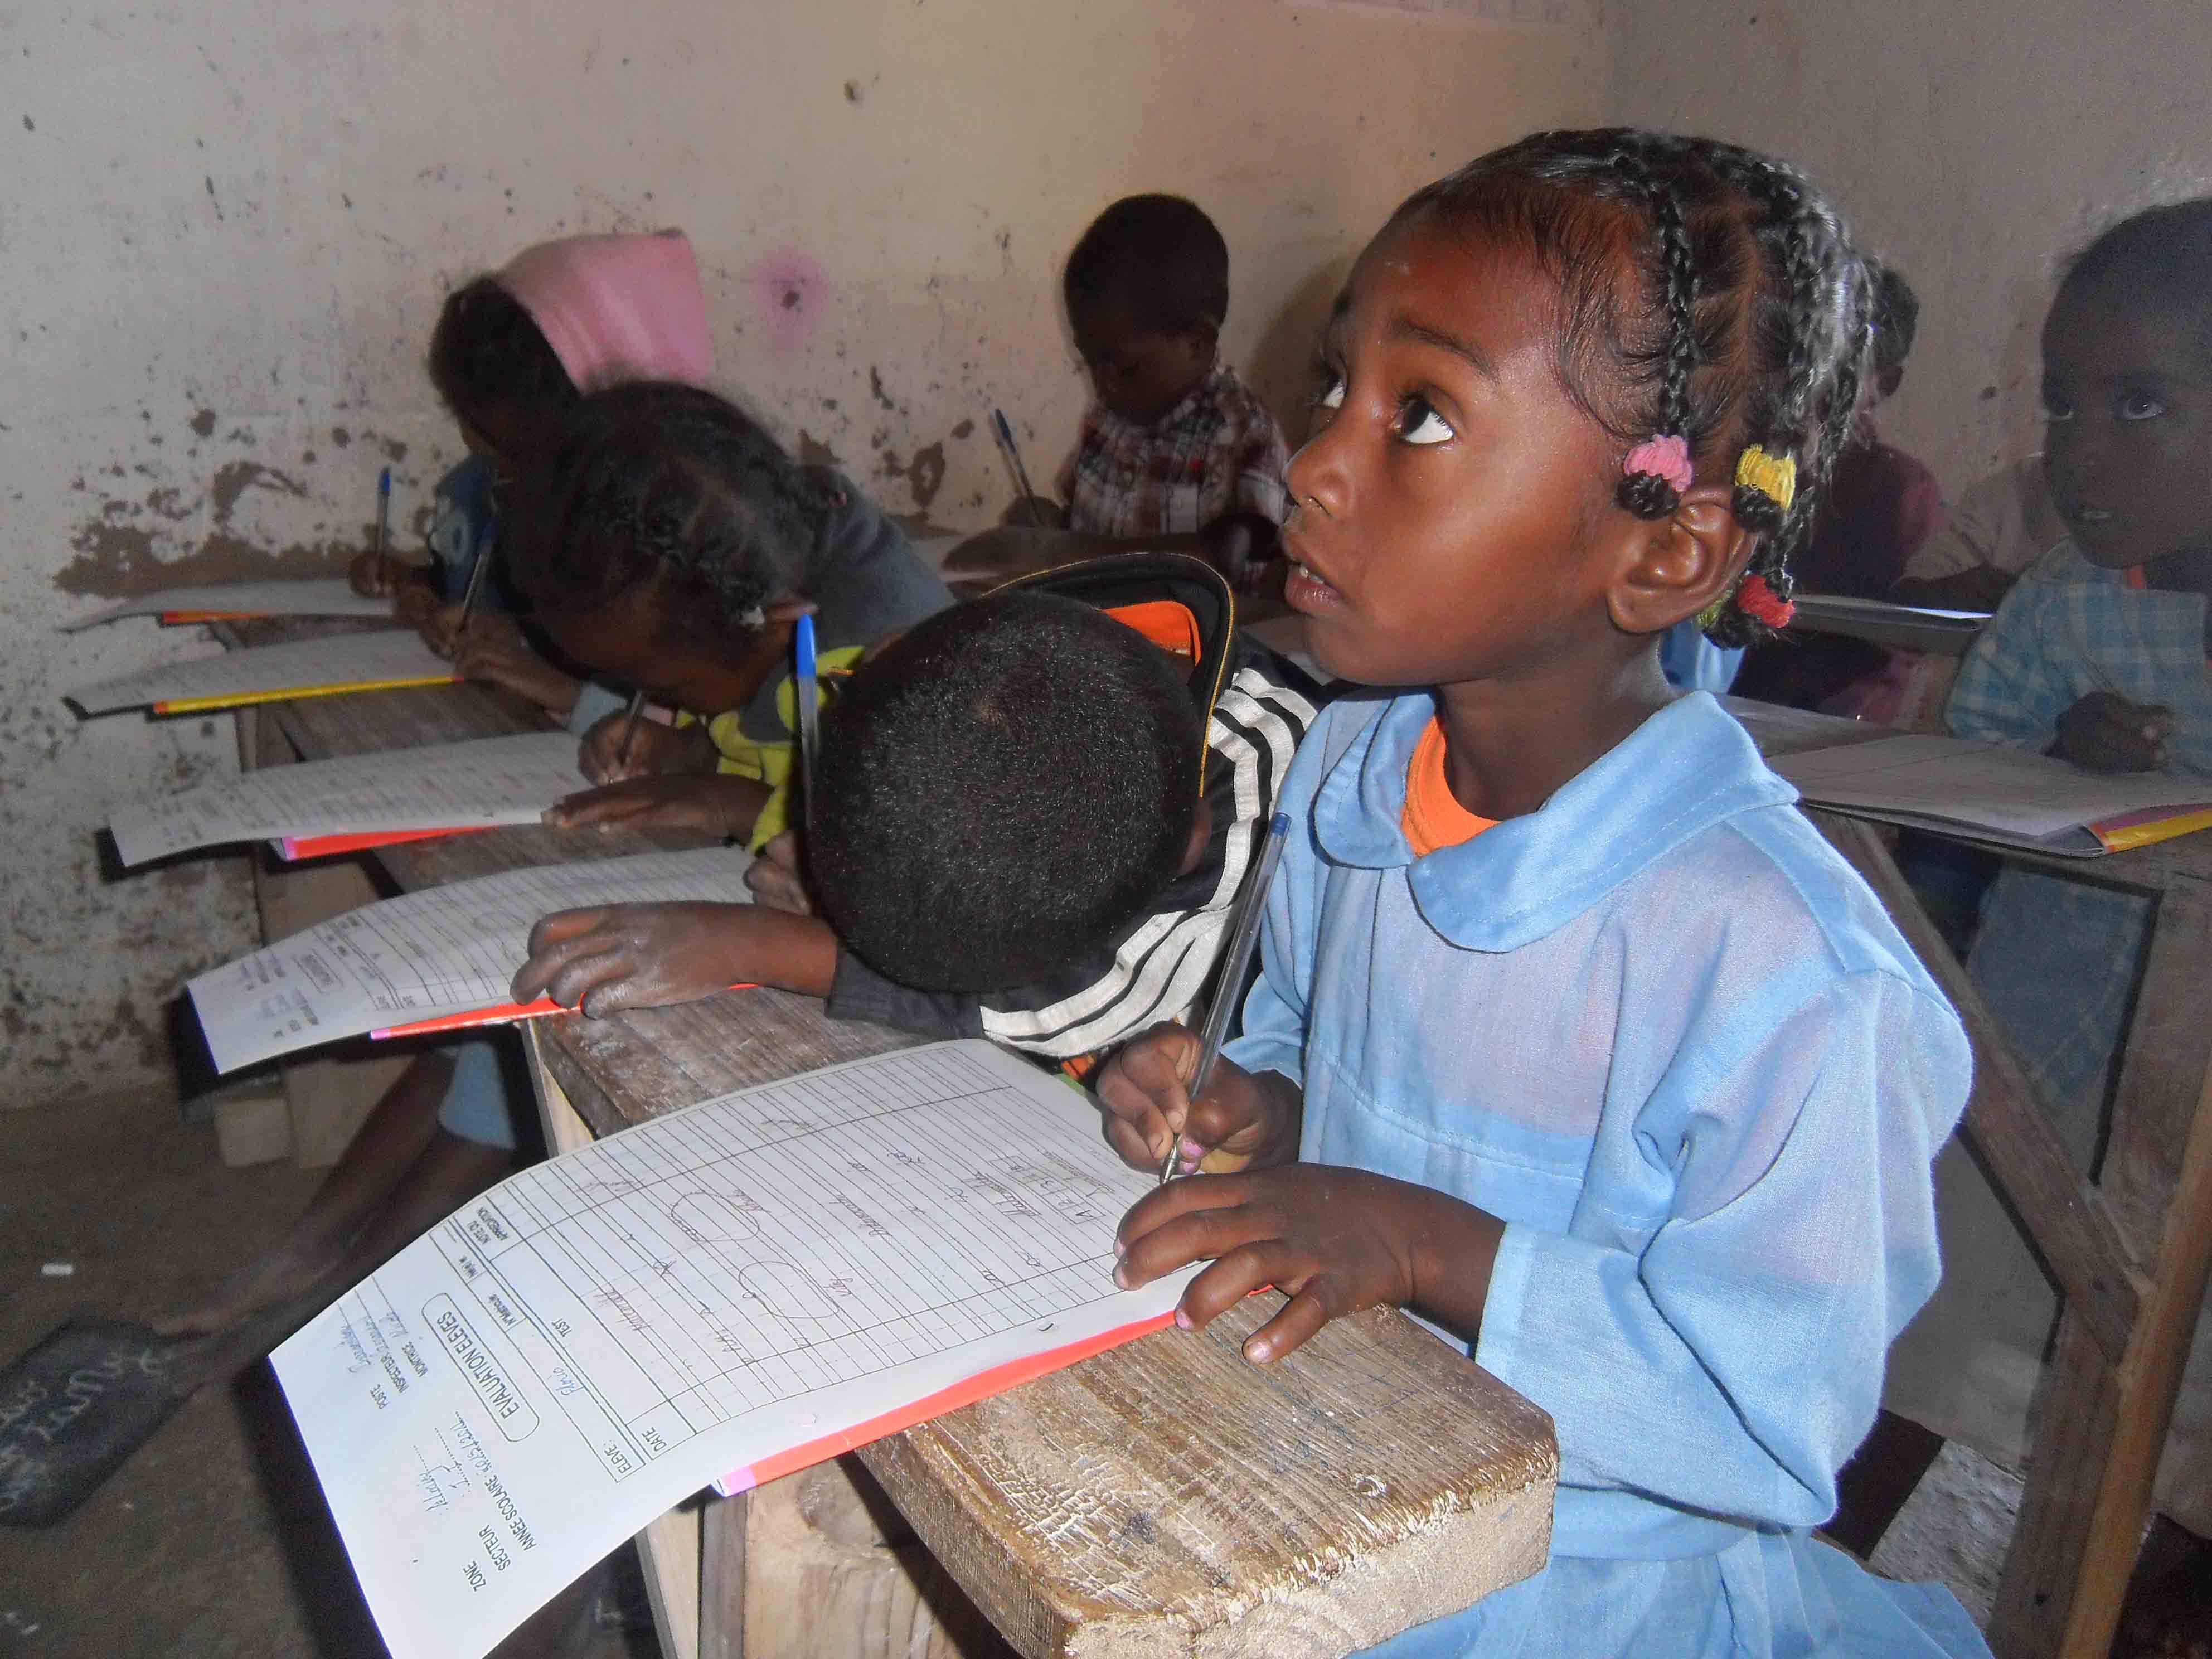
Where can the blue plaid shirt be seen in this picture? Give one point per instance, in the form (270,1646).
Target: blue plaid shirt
(2056,956)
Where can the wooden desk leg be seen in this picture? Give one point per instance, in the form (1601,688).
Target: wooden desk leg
(2098,1430)
(669,1548)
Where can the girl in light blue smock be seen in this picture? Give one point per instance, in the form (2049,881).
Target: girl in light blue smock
(1573,1038)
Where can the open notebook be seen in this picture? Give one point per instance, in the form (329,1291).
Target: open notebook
(760,1282)
(342,806)
(378,660)
(1988,792)
(428,960)
(311,596)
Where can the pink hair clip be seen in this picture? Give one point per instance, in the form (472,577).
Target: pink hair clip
(1667,458)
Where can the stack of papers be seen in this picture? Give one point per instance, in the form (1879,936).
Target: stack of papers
(376,661)
(2008,797)
(432,960)
(761,1282)
(315,596)
(340,806)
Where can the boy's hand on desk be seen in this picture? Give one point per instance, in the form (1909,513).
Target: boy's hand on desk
(654,748)
(774,877)
(1243,1118)
(705,801)
(613,956)
(380,576)
(1333,1240)
(2105,733)
(516,667)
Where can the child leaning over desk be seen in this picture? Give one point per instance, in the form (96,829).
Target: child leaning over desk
(1175,451)
(1573,1036)
(511,353)
(1033,816)
(2098,655)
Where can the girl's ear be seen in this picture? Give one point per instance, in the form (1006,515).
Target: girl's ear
(1680,563)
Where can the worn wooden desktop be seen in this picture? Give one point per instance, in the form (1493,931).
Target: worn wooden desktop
(1164,1498)
(2128,1252)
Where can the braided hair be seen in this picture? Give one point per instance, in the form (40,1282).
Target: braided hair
(664,493)
(1711,315)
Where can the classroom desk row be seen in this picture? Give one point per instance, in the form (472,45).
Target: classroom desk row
(1164,1498)
(1062,1509)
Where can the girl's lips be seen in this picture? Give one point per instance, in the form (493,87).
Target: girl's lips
(1307,589)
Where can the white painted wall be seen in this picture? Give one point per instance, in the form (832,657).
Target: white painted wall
(1974,144)
(227,227)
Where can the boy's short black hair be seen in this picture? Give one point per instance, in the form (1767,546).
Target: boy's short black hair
(1160,256)
(487,355)
(2157,259)
(1002,793)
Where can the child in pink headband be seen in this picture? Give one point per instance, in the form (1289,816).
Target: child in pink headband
(512,349)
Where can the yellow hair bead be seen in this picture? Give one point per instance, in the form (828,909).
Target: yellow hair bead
(1774,477)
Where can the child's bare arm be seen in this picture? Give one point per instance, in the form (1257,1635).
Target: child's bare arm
(709,802)
(646,955)
(1334,1240)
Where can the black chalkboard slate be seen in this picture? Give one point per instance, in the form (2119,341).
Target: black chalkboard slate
(74,1406)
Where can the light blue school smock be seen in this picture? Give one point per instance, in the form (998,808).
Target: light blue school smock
(1661,1029)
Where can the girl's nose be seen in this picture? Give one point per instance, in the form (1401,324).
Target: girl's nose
(1316,476)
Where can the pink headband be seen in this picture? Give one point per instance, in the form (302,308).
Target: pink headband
(616,308)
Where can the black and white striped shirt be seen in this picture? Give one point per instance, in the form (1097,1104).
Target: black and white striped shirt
(1167,959)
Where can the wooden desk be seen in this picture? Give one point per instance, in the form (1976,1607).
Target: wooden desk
(2128,1253)
(1166,1498)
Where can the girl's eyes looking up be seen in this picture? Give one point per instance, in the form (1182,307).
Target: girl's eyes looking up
(1417,420)
(2138,406)
(1419,424)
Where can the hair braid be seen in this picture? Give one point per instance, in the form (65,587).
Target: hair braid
(1646,494)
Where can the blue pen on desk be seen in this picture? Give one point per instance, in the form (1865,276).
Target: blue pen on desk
(1234,961)
(806,693)
(1005,436)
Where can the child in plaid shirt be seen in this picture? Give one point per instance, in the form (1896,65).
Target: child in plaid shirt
(2097,655)
(1175,452)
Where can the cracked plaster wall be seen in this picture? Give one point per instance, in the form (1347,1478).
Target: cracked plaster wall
(227,225)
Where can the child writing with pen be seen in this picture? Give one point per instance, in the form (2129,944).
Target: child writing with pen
(1175,451)
(1572,1036)
(511,353)
(1032,816)
(694,538)
(2097,655)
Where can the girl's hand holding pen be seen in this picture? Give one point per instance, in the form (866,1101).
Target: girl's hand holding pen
(1243,1119)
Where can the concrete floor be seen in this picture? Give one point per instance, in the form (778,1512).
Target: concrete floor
(213,1540)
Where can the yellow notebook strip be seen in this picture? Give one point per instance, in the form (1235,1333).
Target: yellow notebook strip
(240,699)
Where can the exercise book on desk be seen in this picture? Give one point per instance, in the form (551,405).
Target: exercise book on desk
(763,1280)
(313,596)
(320,807)
(381,659)
(1987,792)
(431,960)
